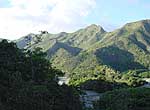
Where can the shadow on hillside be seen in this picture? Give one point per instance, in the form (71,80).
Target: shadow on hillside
(134,40)
(72,50)
(117,59)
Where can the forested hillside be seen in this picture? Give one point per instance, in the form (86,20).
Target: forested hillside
(28,82)
(89,52)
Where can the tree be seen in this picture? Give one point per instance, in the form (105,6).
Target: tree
(19,90)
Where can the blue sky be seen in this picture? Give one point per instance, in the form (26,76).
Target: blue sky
(115,13)
(20,17)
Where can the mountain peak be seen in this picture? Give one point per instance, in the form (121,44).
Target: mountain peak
(96,27)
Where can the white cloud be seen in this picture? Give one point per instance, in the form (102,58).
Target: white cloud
(25,16)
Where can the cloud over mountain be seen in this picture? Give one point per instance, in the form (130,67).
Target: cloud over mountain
(25,16)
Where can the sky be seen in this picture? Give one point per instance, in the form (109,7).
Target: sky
(21,17)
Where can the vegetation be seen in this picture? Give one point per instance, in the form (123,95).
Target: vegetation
(145,74)
(101,86)
(133,78)
(84,53)
(92,58)
(125,99)
(103,78)
(28,82)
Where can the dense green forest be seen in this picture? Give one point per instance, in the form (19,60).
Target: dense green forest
(28,82)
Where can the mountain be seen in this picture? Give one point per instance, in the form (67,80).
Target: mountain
(88,49)
(94,60)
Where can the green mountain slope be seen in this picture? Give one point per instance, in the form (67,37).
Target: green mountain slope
(91,48)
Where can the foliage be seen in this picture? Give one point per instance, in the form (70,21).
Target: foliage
(145,74)
(28,82)
(133,78)
(101,86)
(99,72)
(125,99)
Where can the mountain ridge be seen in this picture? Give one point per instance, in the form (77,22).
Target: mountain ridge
(93,53)
(132,38)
